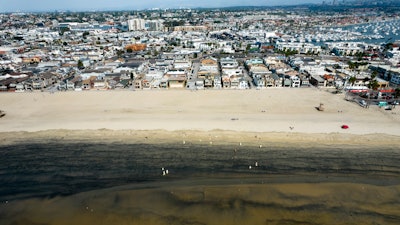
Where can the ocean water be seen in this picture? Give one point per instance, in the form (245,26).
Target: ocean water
(51,168)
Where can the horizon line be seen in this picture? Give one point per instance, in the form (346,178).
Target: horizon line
(122,8)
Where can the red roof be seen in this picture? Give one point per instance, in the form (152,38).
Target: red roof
(387,91)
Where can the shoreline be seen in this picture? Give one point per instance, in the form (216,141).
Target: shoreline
(261,140)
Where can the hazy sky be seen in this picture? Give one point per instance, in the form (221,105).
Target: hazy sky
(52,5)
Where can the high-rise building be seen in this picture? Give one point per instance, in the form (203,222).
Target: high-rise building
(136,24)
(154,25)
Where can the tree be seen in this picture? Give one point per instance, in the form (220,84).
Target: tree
(289,52)
(63,30)
(351,65)
(85,34)
(397,92)
(155,53)
(80,65)
(373,84)
(374,74)
(352,80)
(248,47)
(337,66)
(119,53)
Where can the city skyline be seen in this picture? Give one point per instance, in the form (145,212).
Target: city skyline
(90,5)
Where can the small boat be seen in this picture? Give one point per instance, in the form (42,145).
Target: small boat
(344,126)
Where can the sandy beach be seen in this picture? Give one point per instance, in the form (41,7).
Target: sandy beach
(312,171)
(264,111)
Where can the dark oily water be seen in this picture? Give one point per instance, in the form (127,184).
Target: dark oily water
(56,168)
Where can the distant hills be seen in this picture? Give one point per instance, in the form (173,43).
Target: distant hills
(324,5)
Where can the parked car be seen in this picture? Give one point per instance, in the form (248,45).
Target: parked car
(362,103)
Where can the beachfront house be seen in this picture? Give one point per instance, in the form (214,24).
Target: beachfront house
(287,81)
(208,70)
(199,83)
(20,87)
(226,81)
(317,81)
(87,84)
(243,84)
(146,82)
(70,85)
(176,82)
(138,82)
(164,83)
(176,78)
(3,88)
(305,81)
(259,82)
(100,85)
(38,84)
(277,80)
(208,81)
(217,82)
(270,80)
(235,82)
(329,80)
(296,82)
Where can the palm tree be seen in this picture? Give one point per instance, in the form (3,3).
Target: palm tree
(373,84)
(374,74)
(352,65)
(352,80)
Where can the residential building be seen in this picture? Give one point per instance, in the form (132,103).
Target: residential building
(136,24)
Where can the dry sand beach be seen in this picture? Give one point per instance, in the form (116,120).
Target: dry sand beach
(273,115)
(313,172)
(272,110)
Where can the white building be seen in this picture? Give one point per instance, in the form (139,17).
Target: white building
(154,25)
(302,48)
(346,48)
(136,24)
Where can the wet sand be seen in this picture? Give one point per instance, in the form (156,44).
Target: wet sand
(175,203)
(335,179)
(218,136)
